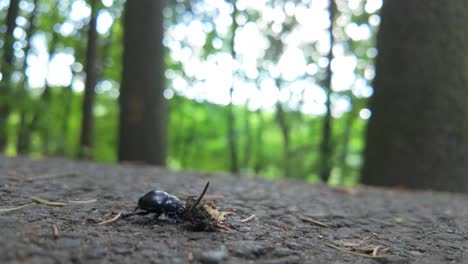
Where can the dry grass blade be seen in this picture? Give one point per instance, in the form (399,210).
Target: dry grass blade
(248,219)
(378,249)
(5,210)
(309,220)
(106,222)
(352,252)
(46,202)
(53,175)
(83,202)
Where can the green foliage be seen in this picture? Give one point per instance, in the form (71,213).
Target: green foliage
(197,129)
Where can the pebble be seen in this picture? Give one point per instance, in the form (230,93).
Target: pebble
(285,260)
(283,252)
(249,249)
(294,246)
(245,229)
(214,256)
(250,236)
(95,252)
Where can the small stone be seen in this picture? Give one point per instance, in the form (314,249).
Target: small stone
(69,243)
(245,229)
(123,250)
(250,236)
(96,253)
(283,252)
(285,260)
(294,246)
(214,256)
(248,249)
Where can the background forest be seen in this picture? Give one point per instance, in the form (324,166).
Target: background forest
(271,88)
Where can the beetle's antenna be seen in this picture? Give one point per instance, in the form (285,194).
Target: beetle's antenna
(199,198)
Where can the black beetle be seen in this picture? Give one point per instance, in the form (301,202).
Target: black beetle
(159,202)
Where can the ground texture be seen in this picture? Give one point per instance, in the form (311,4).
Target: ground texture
(401,226)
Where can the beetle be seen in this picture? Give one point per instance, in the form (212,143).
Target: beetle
(200,215)
(159,202)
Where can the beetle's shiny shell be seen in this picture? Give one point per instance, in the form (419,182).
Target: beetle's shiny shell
(160,202)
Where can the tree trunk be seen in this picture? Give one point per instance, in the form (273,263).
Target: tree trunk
(326,145)
(418,134)
(91,69)
(259,159)
(22,144)
(284,127)
(231,119)
(143,107)
(7,69)
(248,138)
(346,137)
(40,114)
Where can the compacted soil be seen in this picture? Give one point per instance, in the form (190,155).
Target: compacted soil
(294,222)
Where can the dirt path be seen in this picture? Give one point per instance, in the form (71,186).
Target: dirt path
(414,226)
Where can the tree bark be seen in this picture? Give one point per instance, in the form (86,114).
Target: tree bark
(143,107)
(259,159)
(285,133)
(418,134)
(91,69)
(326,145)
(231,119)
(7,69)
(23,142)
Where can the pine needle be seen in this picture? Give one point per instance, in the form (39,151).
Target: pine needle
(352,252)
(5,210)
(117,217)
(46,202)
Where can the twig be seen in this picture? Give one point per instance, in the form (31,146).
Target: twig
(55,231)
(83,202)
(46,202)
(5,210)
(117,217)
(352,252)
(228,213)
(199,198)
(221,226)
(305,219)
(248,219)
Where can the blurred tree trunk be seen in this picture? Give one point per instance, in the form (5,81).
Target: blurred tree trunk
(231,119)
(345,141)
(7,69)
(143,112)
(22,144)
(91,69)
(326,153)
(40,120)
(248,137)
(259,160)
(418,134)
(285,133)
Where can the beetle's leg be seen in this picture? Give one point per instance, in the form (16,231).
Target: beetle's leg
(169,220)
(156,215)
(134,213)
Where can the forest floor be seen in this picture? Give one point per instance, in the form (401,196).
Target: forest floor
(294,222)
